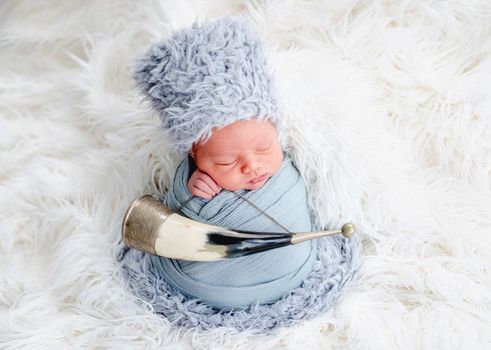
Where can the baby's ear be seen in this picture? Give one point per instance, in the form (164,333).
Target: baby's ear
(192,151)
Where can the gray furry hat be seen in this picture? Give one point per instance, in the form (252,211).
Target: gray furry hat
(207,76)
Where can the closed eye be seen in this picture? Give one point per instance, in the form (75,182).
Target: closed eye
(225,164)
(264,149)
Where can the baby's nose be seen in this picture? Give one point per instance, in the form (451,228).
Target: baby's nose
(251,166)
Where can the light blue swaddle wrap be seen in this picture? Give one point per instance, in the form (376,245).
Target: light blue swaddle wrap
(337,262)
(258,278)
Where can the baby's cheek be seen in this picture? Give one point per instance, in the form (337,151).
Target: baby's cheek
(278,160)
(227,180)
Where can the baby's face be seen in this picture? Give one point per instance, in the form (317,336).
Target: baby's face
(241,155)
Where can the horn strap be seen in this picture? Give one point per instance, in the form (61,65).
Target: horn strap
(245,200)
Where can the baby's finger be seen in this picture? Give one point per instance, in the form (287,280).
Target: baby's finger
(209,182)
(203,186)
(198,192)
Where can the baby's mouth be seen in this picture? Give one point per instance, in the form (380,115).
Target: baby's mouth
(258,179)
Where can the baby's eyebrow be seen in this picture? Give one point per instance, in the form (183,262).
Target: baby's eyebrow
(228,156)
(263,142)
(266,143)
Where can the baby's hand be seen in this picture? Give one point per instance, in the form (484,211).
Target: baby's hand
(202,185)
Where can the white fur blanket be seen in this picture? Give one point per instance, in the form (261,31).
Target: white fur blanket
(388,113)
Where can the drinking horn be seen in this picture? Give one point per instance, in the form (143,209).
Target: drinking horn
(152,227)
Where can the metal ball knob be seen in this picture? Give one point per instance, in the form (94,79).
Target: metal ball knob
(348,230)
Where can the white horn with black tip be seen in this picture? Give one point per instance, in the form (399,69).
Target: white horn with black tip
(152,227)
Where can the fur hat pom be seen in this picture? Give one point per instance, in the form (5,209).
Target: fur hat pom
(207,76)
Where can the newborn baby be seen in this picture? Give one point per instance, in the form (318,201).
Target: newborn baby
(216,98)
(244,158)
(241,155)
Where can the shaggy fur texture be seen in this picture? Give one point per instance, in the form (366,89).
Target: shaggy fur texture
(387,115)
(207,76)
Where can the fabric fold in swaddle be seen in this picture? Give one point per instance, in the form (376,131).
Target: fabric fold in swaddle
(259,278)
